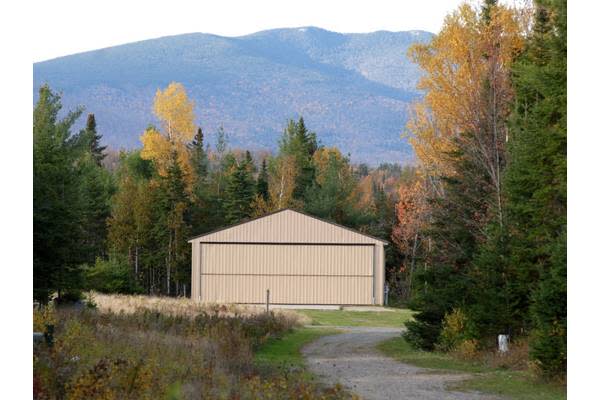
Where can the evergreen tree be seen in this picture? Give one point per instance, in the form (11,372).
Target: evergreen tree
(262,184)
(536,180)
(96,189)
(444,281)
(239,193)
(95,148)
(57,201)
(88,140)
(202,195)
(249,162)
(331,195)
(549,312)
(199,158)
(300,144)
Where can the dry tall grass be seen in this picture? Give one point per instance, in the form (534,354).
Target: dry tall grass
(158,348)
(129,304)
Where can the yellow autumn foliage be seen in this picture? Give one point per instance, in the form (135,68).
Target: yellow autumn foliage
(282,182)
(467,53)
(176,113)
(323,157)
(155,145)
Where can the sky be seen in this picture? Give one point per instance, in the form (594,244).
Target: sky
(73,26)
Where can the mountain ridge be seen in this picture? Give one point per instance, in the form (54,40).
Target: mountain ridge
(346,85)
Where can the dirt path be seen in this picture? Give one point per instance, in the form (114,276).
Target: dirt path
(351,359)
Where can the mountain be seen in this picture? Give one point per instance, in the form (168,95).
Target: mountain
(353,89)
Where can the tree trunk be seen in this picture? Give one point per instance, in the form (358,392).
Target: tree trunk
(412,265)
(169,264)
(136,262)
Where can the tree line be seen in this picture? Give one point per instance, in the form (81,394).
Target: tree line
(484,225)
(126,229)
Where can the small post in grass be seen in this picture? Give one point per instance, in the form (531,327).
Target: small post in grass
(503,344)
(386,292)
(268,299)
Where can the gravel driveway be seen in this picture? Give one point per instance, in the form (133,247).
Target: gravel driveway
(351,359)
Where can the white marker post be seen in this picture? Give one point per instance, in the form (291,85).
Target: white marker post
(503,344)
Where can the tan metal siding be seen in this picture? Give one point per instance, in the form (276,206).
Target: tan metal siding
(379,273)
(295,274)
(195,270)
(287,289)
(274,259)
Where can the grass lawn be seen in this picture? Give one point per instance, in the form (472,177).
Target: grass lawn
(518,385)
(285,352)
(395,318)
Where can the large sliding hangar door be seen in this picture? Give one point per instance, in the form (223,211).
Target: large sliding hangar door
(298,258)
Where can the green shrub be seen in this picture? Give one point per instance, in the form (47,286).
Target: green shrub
(110,276)
(423,331)
(438,290)
(455,331)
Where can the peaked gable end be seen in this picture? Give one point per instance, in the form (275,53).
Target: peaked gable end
(288,226)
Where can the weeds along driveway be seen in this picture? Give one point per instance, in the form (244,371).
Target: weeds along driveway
(351,358)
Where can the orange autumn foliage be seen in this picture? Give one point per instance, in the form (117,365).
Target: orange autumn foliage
(411,211)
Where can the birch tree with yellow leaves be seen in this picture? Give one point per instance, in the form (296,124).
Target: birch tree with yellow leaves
(167,147)
(175,112)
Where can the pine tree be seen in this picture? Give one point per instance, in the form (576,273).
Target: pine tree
(239,193)
(93,139)
(262,184)
(58,205)
(96,188)
(249,162)
(331,194)
(536,181)
(199,158)
(299,143)
(443,281)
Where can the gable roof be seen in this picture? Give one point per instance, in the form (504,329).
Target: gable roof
(314,232)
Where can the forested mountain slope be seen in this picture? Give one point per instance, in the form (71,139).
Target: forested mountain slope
(353,89)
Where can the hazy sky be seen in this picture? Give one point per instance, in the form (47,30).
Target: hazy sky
(67,26)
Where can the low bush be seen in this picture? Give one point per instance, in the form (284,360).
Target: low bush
(467,349)
(455,332)
(110,276)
